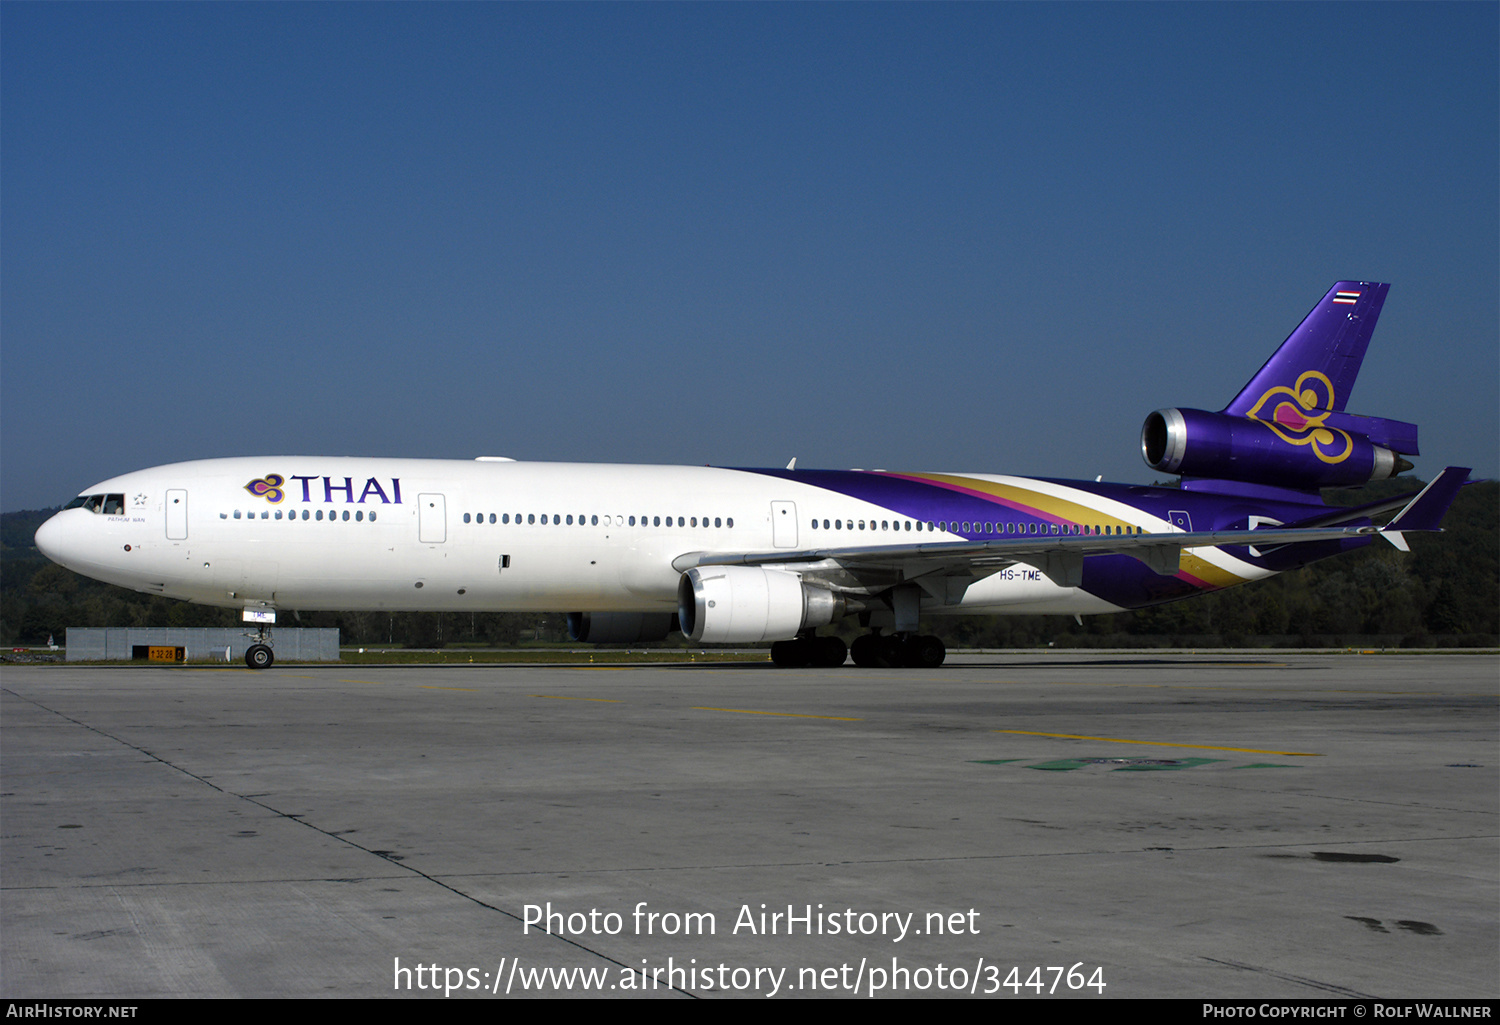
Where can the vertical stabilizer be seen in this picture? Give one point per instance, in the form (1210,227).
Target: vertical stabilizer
(1320,360)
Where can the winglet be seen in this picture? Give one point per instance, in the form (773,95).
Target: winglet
(1426,511)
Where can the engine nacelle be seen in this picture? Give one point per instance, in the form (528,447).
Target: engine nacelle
(1307,453)
(746,604)
(619,627)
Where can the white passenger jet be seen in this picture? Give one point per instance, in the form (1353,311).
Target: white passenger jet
(741,556)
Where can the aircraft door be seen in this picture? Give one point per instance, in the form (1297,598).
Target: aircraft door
(784,524)
(176,515)
(432,525)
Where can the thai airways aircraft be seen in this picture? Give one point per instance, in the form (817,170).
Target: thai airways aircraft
(746,555)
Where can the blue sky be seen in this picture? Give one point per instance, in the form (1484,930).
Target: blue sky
(921,237)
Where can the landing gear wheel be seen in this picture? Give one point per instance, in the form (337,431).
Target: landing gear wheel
(866,651)
(823,652)
(872,651)
(790,654)
(259,656)
(923,652)
(829,652)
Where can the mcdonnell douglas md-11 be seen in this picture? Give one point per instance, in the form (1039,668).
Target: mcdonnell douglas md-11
(741,556)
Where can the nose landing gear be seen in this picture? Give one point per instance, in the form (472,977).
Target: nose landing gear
(259,655)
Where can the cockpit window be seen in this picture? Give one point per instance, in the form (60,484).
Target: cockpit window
(109,505)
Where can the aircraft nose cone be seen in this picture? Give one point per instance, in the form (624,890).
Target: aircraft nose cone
(49,538)
(58,540)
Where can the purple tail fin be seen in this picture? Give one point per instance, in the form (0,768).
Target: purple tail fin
(1320,359)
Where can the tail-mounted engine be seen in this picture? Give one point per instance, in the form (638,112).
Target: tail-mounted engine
(1297,449)
(746,604)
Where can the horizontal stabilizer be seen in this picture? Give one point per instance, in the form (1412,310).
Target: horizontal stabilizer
(1396,435)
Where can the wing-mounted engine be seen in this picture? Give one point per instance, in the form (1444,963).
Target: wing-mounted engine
(1287,445)
(746,604)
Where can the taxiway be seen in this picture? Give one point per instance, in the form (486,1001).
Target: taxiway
(1230,825)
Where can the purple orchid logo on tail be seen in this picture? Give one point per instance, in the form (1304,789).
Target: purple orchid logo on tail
(1298,418)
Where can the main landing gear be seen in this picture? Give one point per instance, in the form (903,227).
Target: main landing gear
(900,651)
(259,655)
(821,652)
(872,651)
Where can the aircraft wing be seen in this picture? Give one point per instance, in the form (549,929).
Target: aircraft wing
(1060,557)
(1428,505)
(871,569)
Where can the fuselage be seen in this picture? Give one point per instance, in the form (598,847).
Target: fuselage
(347,533)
